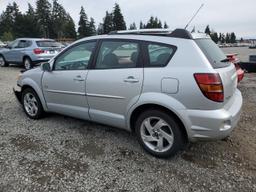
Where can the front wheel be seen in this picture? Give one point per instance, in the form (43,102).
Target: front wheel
(3,63)
(159,133)
(27,63)
(32,104)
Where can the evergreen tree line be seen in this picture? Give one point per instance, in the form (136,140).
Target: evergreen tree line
(221,37)
(51,20)
(46,20)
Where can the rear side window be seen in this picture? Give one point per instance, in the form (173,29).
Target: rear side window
(213,53)
(47,44)
(159,55)
(117,54)
(24,44)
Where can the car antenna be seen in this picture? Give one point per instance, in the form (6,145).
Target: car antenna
(194,16)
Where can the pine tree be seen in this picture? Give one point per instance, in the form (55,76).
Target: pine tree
(58,19)
(132,26)
(70,30)
(223,38)
(232,38)
(118,19)
(108,24)
(207,30)
(150,23)
(83,24)
(142,26)
(92,28)
(227,40)
(154,22)
(165,25)
(7,21)
(100,30)
(215,37)
(32,27)
(43,12)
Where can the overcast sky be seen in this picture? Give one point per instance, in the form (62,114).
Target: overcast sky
(222,16)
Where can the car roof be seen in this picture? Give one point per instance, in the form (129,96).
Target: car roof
(35,39)
(160,35)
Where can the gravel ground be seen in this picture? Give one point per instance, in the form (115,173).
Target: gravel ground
(60,153)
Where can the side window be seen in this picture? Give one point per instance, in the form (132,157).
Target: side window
(159,55)
(76,58)
(23,44)
(117,54)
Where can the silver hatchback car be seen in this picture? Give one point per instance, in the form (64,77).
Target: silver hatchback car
(166,87)
(28,52)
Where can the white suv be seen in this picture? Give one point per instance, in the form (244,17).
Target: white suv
(167,87)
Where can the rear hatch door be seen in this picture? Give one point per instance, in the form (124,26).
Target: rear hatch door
(49,47)
(221,64)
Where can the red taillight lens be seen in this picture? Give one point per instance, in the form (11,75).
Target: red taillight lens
(38,51)
(211,86)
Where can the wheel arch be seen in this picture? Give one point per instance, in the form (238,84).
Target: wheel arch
(147,106)
(26,56)
(32,85)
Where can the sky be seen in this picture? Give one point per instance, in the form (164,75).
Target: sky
(237,16)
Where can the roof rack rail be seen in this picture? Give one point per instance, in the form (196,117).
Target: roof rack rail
(177,33)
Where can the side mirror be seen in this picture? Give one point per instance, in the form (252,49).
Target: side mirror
(46,67)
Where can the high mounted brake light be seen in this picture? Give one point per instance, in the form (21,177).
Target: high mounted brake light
(211,86)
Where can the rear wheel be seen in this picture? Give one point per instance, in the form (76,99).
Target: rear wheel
(3,63)
(159,133)
(32,104)
(27,63)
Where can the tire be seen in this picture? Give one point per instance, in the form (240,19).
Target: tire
(3,62)
(27,63)
(159,133)
(31,104)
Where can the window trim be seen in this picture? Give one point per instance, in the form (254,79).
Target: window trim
(147,57)
(139,64)
(71,47)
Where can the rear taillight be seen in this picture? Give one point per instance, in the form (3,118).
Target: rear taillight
(38,51)
(210,85)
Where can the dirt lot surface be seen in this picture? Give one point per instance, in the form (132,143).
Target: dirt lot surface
(60,153)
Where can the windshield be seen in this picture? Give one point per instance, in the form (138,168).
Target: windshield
(213,53)
(47,44)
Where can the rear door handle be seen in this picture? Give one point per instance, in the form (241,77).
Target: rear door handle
(131,79)
(78,78)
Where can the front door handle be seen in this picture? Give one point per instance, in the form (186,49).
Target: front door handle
(78,78)
(131,79)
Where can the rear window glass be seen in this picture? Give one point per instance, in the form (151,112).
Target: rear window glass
(47,44)
(213,53)
(159,55)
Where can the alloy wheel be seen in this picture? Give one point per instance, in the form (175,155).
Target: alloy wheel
(157,134)
(2,61)
(30,104)
(27,64)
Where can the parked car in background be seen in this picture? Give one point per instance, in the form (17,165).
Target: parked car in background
(28,52)
(234,59)
(168,87)
(2,44)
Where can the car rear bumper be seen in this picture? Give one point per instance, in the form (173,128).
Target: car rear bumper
(17,92)
(214,124)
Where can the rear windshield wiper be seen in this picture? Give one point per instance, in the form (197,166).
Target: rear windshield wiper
(224,60)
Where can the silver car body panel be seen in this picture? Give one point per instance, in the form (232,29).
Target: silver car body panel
(106,97)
